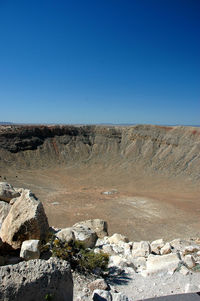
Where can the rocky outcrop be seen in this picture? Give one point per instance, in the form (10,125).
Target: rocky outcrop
(36,280)
(25,220)
(172,150)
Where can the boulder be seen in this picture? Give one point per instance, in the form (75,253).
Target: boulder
(30,249)
(98,284)
(191,249)
(183,270)
(141,249)
(115,238)
(66,235)
(189,261)
(85,235)
(139,263)
(4,210)
(7,192)
(25,220)
(156,246)
(101,295)
(162,264)
(37,280)
(166,249)
(99,226)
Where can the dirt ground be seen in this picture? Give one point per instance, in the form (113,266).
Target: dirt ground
(142,207)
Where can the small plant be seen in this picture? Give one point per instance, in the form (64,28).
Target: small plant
(80,258)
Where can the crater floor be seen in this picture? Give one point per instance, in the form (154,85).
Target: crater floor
(142,207)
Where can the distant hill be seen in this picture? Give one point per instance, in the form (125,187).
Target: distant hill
(5,123)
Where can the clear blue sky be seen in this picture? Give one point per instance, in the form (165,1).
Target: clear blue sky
(98,61)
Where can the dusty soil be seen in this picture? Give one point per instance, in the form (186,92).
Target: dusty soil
(143,207)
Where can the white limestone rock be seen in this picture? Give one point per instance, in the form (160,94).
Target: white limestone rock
(141,249)
(189,261)
(166,249)
(116,238)
(30,249)
(157,245)
(85,235)
(25,220)
(162,264)
(99,226)
(66,235)
(99,295)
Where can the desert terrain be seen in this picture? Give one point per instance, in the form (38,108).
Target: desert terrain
(143,180)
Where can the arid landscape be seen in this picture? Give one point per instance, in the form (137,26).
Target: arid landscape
(143,180)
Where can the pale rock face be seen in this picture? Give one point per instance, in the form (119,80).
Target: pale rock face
(85,235)
(35,279)
(25,220)
(66,235)
(156,246)
(116,238)
(162,264)
(7,192)
(166,249)
(99,226)
(30,249)
(4,210)
(141,249)
(189,261)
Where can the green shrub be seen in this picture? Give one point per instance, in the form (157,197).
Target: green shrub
(80,258)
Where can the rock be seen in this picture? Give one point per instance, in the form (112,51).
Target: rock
(4,210)
(108,249)
(189,261)
(139,263)
(191,249)
(66,235)
(36,280)
(156,246)
(85,235)
(115,238)
(102,241)
(25,220)
(101,295)
(118,261)
(98,284)
(119,297)
(162,264)
(7,192)
(99,226)
(183,270)
(30,249)
(141,249)
(178,245)
(166,249)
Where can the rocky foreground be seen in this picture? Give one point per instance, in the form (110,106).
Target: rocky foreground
(32,270)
